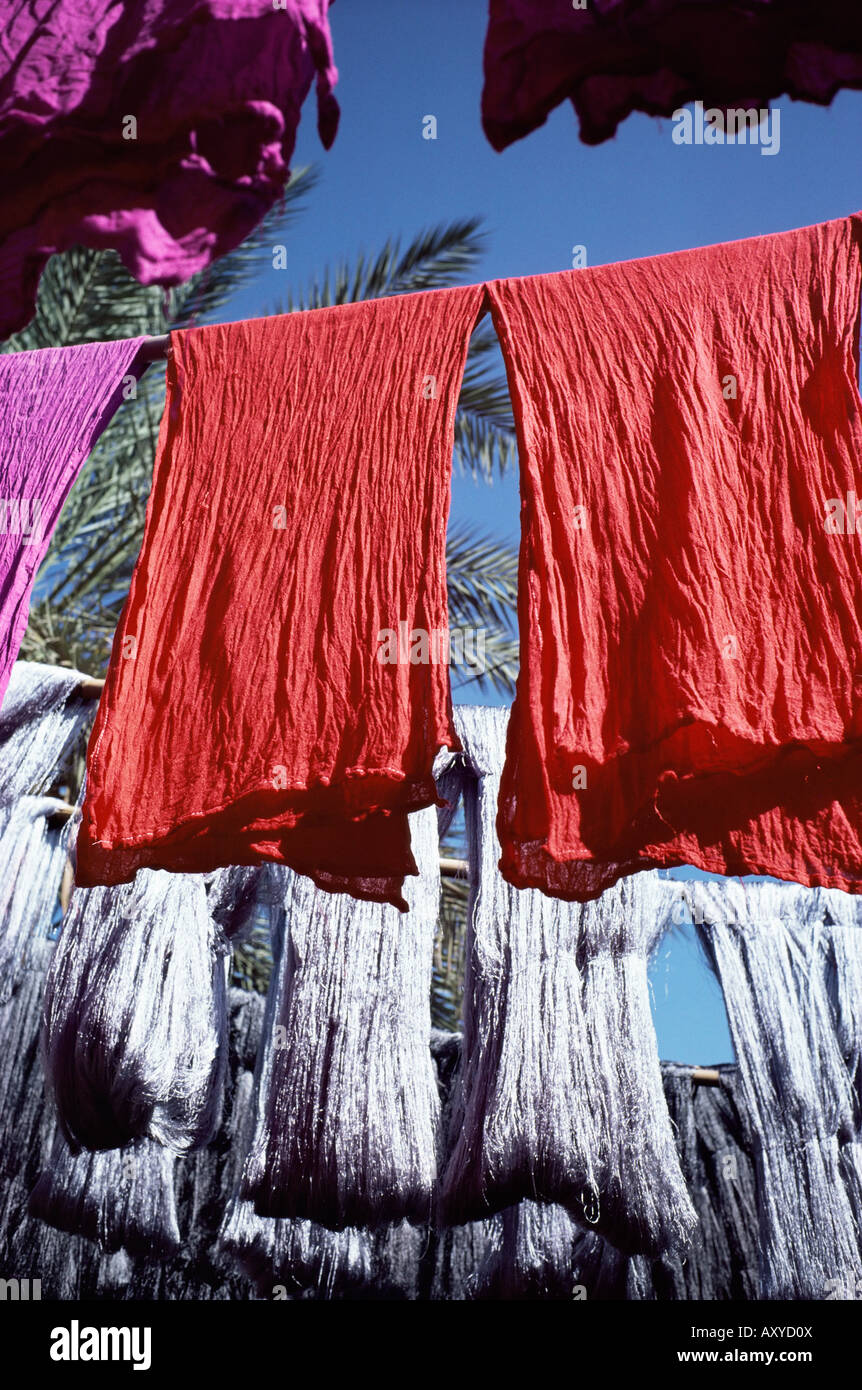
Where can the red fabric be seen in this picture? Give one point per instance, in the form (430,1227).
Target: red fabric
(617,56)
(254,720)
(693,637)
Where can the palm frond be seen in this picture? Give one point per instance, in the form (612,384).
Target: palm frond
(482,579)
(88,296)
(434,259)
(485,444)
(450,944)
(251,961)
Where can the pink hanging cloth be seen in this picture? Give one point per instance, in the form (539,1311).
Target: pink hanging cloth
(690,596)
(612,57)
(267,698)
(54,404)
(161,128)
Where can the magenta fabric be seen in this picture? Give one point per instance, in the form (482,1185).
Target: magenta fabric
(54,404)
(216,88)
(619,56)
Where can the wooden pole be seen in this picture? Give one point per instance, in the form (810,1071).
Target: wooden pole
(705,1076)
(91,687)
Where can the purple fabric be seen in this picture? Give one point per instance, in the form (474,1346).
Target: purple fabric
(216,88)
(617,56)
(54,404)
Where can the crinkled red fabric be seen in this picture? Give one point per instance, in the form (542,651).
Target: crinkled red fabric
(690,615)
(215,88)
(613,57)
(299,509)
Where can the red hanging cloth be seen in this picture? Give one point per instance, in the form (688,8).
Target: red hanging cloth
(298,512)
(690,609)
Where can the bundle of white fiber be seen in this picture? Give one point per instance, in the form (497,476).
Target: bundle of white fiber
(245,1238)
(765,942)
(607,1275)
(206,1179)
(561,1098)
(841,961)
(240,897)
(120,1198)
(43,713)
(135,1015)
(346,1129)
(136,1203)
(67,1267)
(523,1122)
(22,1091)
(532,1255)
(450,1255)
(722,1262)
(33,852)
(311,1262)
(643,1204)
(286,1259)
(537,1253)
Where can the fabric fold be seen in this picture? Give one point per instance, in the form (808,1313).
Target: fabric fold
(266,698)
(690,612)
(162,129)
(54,404)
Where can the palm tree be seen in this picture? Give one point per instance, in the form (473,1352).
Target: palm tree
(88,296)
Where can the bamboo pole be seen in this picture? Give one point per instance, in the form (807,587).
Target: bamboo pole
(705,1076)
(91,687)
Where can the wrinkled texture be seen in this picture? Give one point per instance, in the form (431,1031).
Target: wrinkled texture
(216,88)
(54,404)
(770,947)
(346,1130)
(612,57)
(299,509)
(691,630)
(560,1094)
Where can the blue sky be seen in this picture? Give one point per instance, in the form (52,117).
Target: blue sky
(637,195)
